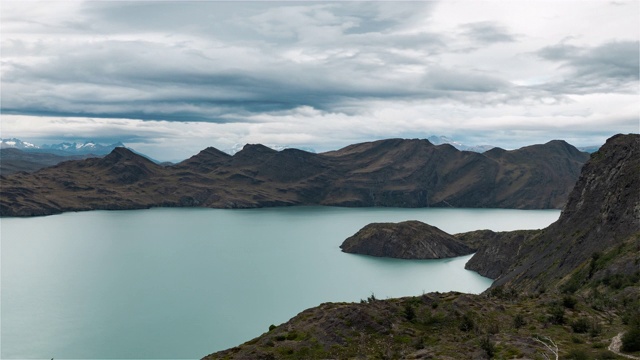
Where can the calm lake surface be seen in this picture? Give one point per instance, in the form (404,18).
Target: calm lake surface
(182,283)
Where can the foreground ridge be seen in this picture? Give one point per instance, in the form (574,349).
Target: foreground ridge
(587,293)
(394,172)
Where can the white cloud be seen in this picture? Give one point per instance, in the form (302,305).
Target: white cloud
(317,74)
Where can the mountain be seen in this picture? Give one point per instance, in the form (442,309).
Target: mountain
(405,240)
(439,140)
(88,147)
(589,149)
(16,144)
(562,292)
(61,149)
(602,216)
(12,160)
(17,155)
(237,147)
(394,172)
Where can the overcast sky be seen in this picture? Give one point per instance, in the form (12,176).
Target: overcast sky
(171,78)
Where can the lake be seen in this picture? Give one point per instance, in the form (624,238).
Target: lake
(182,283)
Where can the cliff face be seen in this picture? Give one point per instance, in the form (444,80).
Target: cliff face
(406,240)
(495,250)
(395,172)
(602,215)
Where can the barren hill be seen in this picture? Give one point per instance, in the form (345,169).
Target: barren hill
(394,172)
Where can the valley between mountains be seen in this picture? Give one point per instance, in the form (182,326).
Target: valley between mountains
(394,173)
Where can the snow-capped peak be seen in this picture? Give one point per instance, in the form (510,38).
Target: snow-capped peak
(17,143)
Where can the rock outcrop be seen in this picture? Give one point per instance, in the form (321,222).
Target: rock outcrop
(601,215)
(405,240)
(495,250)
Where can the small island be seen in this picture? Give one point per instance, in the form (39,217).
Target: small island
(405,240)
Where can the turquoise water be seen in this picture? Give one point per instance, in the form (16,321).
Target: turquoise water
(182,283)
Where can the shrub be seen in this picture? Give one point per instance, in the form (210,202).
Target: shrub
(631,339)
(580,326)
(467,323)
(488,346)
(371,298)
(409,313)
(569,302)
(596,328)
(577,354)
(556,315)
(518,321)
(271,327)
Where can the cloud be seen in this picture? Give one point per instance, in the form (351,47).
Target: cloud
(318,74)
(487,32)
(609,67)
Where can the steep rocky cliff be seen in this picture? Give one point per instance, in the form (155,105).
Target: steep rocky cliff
(495,250)
(602,216)
(405,240)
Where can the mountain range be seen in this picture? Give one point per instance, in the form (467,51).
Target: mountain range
(61,149)
(393,172)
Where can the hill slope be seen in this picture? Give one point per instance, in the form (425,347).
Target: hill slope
(602,214)
(13,160)
(582,300)
(395,172)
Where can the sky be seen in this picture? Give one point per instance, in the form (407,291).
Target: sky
(172,78)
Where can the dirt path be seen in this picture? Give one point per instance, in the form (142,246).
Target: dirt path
(616,342)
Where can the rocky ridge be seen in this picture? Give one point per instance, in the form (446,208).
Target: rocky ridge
(394,172)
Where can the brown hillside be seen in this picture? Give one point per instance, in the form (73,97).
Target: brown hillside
(396,172)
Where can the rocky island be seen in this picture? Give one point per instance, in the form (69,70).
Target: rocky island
(405,240)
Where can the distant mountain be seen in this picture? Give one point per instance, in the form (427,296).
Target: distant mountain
(439,140)
(17,155)
(16,144)
(89,147)
(62,149)
(394,172)
(13,159)
(589,149)
(237,147)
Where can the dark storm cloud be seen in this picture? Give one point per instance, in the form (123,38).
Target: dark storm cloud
(221,58)
(609,67)
(326,56)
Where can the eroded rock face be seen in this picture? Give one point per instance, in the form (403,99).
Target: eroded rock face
(405,240)
(602,213)
(495,250)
